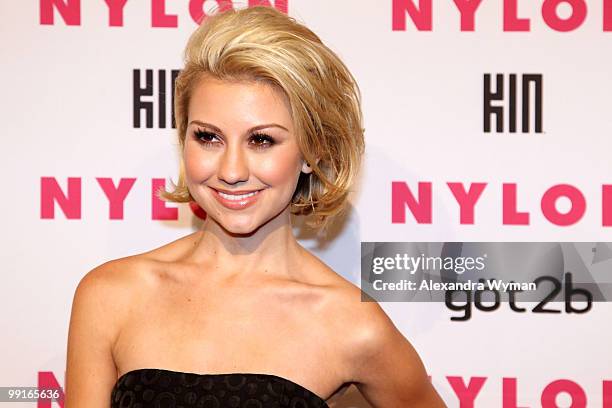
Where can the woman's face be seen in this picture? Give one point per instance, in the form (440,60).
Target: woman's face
(242,160)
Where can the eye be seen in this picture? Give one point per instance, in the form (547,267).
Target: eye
(262,141)
(258,140)
(205,137)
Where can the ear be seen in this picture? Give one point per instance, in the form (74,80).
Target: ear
(306,167)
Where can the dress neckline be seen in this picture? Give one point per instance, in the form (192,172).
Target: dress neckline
(136,370)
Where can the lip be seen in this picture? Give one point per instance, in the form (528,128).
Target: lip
(236,204)
(235,191)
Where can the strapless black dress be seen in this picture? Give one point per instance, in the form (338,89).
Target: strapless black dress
(159,388)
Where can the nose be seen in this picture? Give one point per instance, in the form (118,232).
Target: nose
(233,165)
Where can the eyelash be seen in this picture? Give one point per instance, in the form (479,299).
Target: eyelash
(267,141)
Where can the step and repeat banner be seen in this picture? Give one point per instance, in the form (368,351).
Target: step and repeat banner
(482,220)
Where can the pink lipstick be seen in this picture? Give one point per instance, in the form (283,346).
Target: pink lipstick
(236,200)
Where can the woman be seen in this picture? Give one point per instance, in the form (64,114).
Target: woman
(238,314)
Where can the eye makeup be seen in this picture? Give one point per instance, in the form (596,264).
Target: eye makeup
(261,140)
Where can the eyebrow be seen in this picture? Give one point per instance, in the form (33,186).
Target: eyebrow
(253,129)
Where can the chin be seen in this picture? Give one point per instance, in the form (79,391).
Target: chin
(242,225)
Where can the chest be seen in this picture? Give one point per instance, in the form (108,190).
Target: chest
(232,330)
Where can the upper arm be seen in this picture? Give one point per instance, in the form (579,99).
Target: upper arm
(387,369)
(90,368)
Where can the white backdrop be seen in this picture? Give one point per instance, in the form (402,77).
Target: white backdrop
(68,113)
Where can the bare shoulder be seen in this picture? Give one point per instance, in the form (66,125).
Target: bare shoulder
(379,359)
(100,303)
(119,276)
(108,291)
(362,323)
(113,278)
(103,294)
(346,304)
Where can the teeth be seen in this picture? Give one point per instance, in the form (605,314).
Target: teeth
(235,197)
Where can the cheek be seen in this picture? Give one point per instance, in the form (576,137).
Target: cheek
(278,169)
(198,166)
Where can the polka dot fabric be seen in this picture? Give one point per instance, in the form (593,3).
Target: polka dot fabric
(158,388)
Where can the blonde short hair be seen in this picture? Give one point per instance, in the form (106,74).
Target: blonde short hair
(263,44)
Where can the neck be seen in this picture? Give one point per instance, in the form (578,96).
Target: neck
(271,250)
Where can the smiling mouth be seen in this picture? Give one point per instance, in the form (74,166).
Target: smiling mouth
(236,200)
(237,197)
